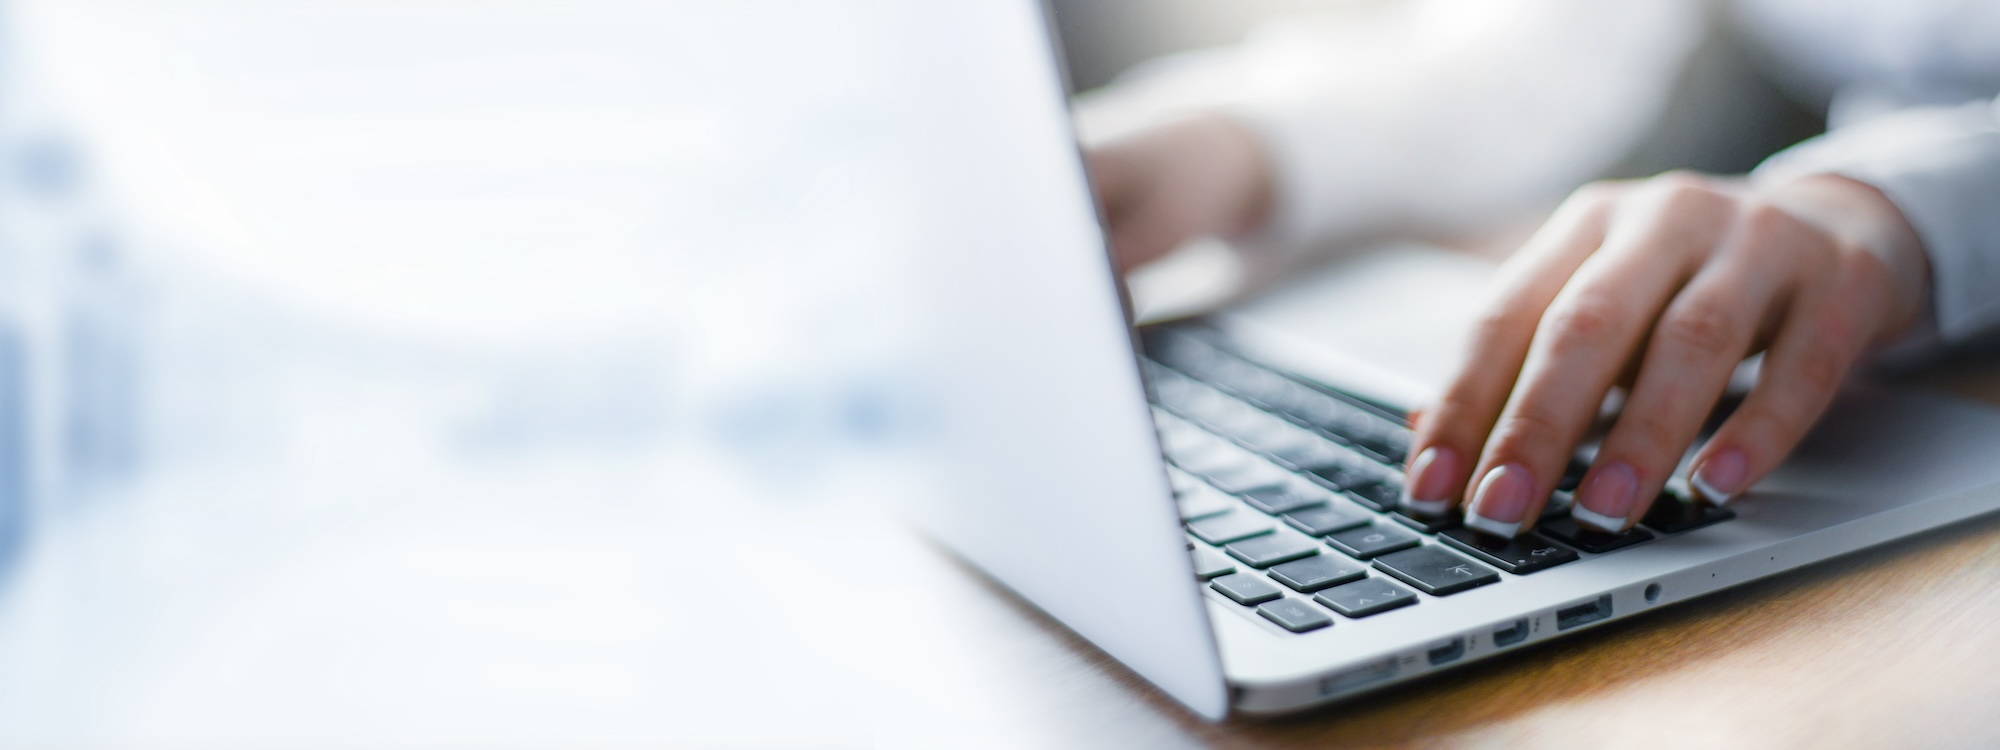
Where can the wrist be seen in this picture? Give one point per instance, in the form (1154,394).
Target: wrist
(1861,217)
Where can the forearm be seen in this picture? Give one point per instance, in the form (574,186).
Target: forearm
(1941,168)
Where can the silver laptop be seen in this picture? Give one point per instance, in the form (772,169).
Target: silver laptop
(1229,532)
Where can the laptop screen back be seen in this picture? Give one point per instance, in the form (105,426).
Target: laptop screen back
(1053,478)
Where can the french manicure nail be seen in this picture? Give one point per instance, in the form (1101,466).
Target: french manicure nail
(1428,490)
(1501,502)
(1721,476)
(1607,496)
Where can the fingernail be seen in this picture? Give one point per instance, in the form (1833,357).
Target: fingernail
(1428,490)
(1607,496)
(1721,476)
(1502,501)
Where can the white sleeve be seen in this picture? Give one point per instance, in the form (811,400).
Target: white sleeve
(1437,114)
(1941,167)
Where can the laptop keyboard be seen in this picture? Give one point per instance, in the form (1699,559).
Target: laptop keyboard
(1290,492)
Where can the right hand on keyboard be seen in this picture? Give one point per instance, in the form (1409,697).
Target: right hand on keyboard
(1666,285)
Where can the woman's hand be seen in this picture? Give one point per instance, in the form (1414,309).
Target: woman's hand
(1665,285)
(1203,175)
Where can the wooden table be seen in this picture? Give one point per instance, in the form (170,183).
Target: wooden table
(1897,646)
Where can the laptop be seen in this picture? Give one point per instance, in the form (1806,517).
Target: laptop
(1213,503)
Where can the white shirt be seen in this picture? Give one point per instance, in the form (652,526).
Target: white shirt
(1450,114)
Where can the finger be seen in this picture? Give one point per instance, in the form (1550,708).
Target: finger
(1705,332)
(1590,331)
(1135,236)
(1107,170)
(1454,427)
(1147,233)
(1824,332)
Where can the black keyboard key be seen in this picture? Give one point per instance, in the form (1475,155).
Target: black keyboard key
(1207,458)
(1272,438)
(1300,402)
(1435,570)
(1172,346)
(1276,435)
(1372,454)
(1524,554)
(1582,537)
(1229,527)
(1345,473)
(1310,453)
(1381,495)
(1365,597)
(1395,446)
(1222,369)
(1305,404)
(1203,502)
(1294,615)
(1255,382)
(1317,572)
(1390,446)
(1329,518)
(1671,516)
(1245,589)
(1369,541)
(1428,524)
(1287,498)
(1208,564)
(1222,414)
(1164,380)
(1249,477)
(1251,381)
(1246,424)
(1339,419)
(1266,551)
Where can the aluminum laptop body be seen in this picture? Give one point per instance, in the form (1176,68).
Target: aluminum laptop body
(1060,492)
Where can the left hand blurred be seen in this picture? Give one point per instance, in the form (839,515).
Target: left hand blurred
(1203,175)
(1665,285)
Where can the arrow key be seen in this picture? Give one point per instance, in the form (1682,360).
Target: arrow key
(1246,589)
(1365,597)
(1294,615)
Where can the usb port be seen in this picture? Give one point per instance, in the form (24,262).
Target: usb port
(1358,677)
(1511,635)
(1583,614)
(1447,653)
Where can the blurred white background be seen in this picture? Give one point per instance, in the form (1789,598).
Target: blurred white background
(456,373)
